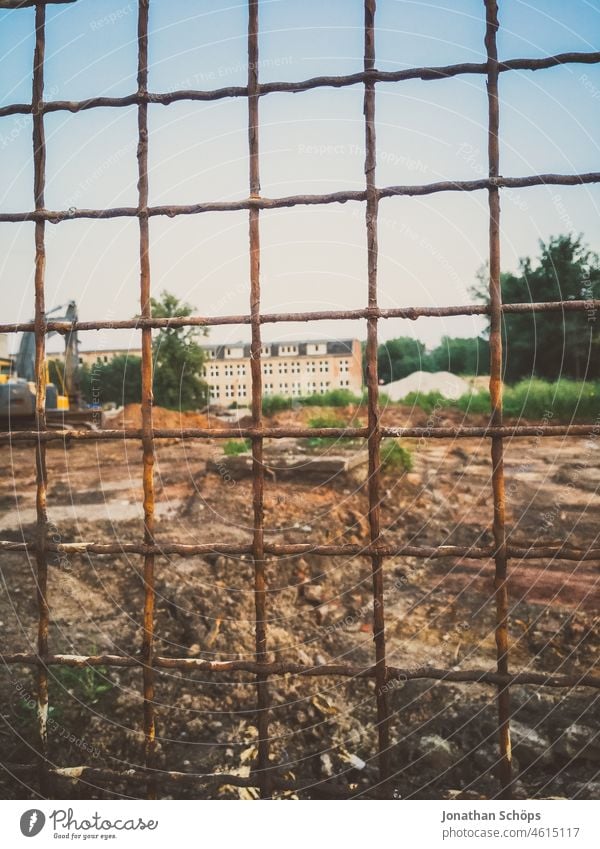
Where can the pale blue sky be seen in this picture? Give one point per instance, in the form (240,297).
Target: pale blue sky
(312,258)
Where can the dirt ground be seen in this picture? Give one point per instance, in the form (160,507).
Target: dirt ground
(438,613)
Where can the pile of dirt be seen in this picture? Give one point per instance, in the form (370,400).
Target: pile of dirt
(130,417)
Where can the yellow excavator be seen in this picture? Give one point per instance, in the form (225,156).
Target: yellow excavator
(5,369)
(17,384)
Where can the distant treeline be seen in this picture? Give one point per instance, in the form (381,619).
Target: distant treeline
(401,357)
(551,345)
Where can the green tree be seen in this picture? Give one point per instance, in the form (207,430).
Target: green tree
(460,355)
(178,358)
(399,357)
(118,382)
(551,344)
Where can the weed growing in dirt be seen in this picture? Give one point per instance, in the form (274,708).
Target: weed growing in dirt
(324,441)
(237,446)
(86,685)
(395,457)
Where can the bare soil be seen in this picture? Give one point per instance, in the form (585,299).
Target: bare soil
(438,613)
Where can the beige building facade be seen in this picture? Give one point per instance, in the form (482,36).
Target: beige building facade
(291,369)
(90,358)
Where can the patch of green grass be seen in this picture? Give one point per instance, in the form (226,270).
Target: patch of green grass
(477,403)
(326,421)
(86,684)
(272,404)
(395,457)
(560,402)
(566,400)
(427,401)
(332,398)
(237,446)
(25,714)
(323,421)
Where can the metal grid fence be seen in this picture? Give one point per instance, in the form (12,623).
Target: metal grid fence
(265,774)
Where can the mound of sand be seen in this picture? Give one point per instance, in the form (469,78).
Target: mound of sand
(130,417)
(447,384)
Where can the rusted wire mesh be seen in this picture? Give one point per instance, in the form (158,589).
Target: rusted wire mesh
(265,773)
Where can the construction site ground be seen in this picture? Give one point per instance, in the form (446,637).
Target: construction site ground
(439,613)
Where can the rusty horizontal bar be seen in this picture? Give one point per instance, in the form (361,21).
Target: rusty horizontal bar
(171,211)
(140,776)
(458,432)
(440,72)
(375,548)
(558,551)
(411,313)
(88,775)
(23,4)
(343,670)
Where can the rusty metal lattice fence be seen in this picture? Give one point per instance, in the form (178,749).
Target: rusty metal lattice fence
(265,774)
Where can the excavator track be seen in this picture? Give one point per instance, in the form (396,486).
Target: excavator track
(55,420)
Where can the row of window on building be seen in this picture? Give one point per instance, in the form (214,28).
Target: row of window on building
(290,350)
(294,389)
(241,369)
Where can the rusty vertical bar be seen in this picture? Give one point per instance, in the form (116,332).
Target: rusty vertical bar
(39,181)
(374,438)
(258,475)
(147,435)
(500,578)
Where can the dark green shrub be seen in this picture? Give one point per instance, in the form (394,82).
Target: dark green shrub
(272,404)
(324,421)
(395,457)
(563,401)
